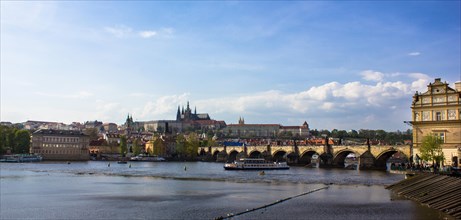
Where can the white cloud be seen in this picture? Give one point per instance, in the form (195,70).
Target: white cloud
(333,98)
(414,54)
(371,75)
(422,80)
(122,31)
(119,31)
(147,34)
(163,107)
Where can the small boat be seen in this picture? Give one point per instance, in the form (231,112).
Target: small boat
(147,158)
(255,164)
(122,162)
(21,158)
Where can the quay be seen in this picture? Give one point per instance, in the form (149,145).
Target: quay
(439,192)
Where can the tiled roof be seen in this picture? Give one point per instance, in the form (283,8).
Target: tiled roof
(59,132)
(248,125)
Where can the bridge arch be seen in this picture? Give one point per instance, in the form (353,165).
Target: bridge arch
(306,157)
(255,154)
(215,155)
(382,158)
(280,155)
(232,156)
(339,157)
(203,152)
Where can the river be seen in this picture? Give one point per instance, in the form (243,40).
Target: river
(196,190)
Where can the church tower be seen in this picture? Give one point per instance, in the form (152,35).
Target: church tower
(241,121)
(178,115)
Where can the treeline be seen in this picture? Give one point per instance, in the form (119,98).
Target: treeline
(14,139)
(381,135)
(185,146)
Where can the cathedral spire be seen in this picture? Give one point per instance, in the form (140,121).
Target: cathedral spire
(178,114)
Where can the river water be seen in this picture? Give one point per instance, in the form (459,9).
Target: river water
(196,190)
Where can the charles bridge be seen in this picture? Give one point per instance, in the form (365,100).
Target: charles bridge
(368,156)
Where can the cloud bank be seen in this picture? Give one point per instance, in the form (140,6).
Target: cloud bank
(330,104)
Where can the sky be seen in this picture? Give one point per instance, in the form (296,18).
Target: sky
(335,64)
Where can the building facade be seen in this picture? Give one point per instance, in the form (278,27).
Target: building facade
(60,144)
(264,130)
(438,112)
(110,127)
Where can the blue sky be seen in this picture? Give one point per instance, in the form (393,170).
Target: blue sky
(345,65)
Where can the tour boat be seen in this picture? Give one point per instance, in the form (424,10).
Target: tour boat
(255,164)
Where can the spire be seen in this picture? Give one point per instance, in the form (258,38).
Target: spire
(195,110)
(178,114)
(187,106)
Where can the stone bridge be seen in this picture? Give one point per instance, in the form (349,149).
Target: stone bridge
(374,156)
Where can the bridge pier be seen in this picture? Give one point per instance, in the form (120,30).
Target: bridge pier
(367,161)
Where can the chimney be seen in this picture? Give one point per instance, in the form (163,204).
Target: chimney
(458,86)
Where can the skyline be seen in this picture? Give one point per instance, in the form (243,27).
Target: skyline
(343,65)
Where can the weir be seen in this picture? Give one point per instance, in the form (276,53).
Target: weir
(440,192)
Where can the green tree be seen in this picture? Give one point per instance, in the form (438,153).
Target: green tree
(431,149)
(3,138)
(180,145)
(158,146)
(123,145)
(136,147)
(22,141)
(93,133)
(192,145)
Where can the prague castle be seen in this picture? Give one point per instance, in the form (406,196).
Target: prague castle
(438,112)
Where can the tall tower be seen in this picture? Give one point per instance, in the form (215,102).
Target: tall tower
(241,121)
(178,115)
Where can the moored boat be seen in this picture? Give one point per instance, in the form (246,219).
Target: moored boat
(255,164)
(147,158)
(21,158)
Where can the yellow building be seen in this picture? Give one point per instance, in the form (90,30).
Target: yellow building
(156,146)
(438,111)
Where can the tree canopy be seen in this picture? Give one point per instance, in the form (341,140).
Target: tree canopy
(431,149)
(14,139)
(123,145)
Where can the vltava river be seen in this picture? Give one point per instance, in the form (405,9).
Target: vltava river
(196,190)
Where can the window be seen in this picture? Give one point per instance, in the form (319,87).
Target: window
(438,116)
(441,135)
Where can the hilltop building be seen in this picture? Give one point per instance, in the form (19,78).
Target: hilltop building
(438,112)
(185,119)
(60,144)
(110,127)
(265,130)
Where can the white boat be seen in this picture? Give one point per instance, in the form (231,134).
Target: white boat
(147,158)
(255,164)
(351,162)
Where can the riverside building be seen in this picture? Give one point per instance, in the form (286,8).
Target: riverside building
(438,112)
(60,144)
